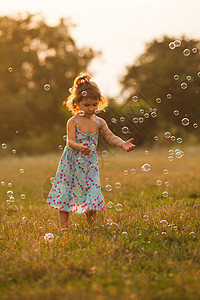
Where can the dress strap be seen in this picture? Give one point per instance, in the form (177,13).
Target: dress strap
(76,120)
(97,121)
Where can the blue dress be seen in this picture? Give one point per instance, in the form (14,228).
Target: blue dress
(76,186)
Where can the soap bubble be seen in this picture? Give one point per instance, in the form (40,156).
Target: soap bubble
(169,96)
(186,52)
(146,167)
(198,74)
(158,100)
(166,183)
(135,120)
(122,119)
(146,218)
(141,120)
(176,112)
(21,171)
(177,43)
(156,138)
(108,187)
(146,115)
(4,146)
(47,87)
(84,93)
(106,179)
(52,180)
(167,134)
(176,77)
(164,223)
(110,204)
(125,172)
(195,125)
(2,183)
(9,193)
(133,171)
(185,121)
(165,171)
(118,185)
(179,140)
(119,207)
(172,45)
(170,158)
(184,85)
(141,110)
(80,160)
(158,182)
(188,77)
(135,98)
(49,237)
(173,138)
(171,152)
(194,50)
(65,137)
(14,151)
(23,196)
(146,152)
(124,233)
(113,120)
(125,130)
(60,147)
(104,153)
(165,194)
(10,69)
(81,113)
(153,114)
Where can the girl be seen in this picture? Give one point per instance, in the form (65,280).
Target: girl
(76,187)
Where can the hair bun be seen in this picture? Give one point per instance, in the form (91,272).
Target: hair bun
(81,78)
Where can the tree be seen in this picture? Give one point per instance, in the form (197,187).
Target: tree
(38,65)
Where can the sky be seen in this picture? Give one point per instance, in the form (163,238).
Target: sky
(119,29)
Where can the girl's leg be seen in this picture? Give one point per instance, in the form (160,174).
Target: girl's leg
(64,216)
(91,218)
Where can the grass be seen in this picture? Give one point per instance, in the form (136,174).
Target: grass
(128,256)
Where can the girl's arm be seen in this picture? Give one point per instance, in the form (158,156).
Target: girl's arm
(71,138)
(114,139)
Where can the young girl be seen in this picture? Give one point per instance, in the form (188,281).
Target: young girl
(76,187)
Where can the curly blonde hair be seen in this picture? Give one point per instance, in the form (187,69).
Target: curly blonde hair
(84,88)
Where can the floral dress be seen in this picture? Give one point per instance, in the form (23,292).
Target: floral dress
(76,186)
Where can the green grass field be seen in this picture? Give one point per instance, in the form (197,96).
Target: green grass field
(148,250)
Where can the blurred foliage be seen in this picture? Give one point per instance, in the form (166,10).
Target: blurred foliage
(33,54)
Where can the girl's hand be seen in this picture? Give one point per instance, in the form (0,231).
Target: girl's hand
(128,146)
(85,150)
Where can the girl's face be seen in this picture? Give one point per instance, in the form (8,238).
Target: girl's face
(89,106)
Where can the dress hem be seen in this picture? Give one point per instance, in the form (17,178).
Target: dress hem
(78,213)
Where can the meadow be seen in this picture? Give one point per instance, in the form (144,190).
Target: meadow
(146,248)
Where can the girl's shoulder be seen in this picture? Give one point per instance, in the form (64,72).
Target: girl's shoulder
(102,122)
(71,121)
